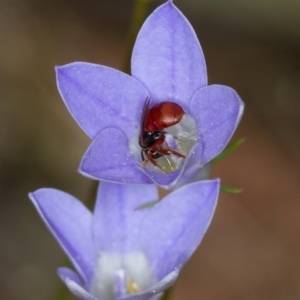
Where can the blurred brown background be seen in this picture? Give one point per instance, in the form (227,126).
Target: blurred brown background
(252,249)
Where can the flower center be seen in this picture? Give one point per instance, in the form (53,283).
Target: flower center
(175,147)
(119,275)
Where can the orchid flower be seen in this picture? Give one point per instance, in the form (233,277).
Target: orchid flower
(120,252)
(167,65)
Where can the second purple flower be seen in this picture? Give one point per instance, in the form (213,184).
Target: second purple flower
(121,253)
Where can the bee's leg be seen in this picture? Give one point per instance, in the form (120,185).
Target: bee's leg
(149,157)
(143,154)
(169,151)
(144,163)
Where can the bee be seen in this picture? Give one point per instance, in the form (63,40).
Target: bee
(152,135)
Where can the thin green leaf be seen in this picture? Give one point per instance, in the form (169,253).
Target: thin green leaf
(228,150)
(231,190)
(147,205)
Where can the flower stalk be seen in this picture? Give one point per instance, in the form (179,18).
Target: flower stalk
(168,293)
(140,11)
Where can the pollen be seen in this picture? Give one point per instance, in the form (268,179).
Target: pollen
(132,287)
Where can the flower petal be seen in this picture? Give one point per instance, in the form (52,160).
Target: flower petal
(167,57)
(164,180)
(70,222)
(193,170)
(155,292)
(99,97)
(72,281)
(187,213)
(64,272)
(217,110)
(109,159)
(116,221)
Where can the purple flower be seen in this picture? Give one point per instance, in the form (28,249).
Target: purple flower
(167,65)
(123,253)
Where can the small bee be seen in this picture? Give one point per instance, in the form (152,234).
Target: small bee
(152,135)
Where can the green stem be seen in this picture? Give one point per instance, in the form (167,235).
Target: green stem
(92,194)
(140,12)
(167,294)
(61,292)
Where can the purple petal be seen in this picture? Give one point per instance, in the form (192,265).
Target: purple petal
(165,180)
(155,292)
(68,273)
(217,110)
(192,166)
(116,222)
(193,170)
(167,57)
(197,174)
(109,159)
(99,97)
(187,213)
(70,222)
(72,281)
